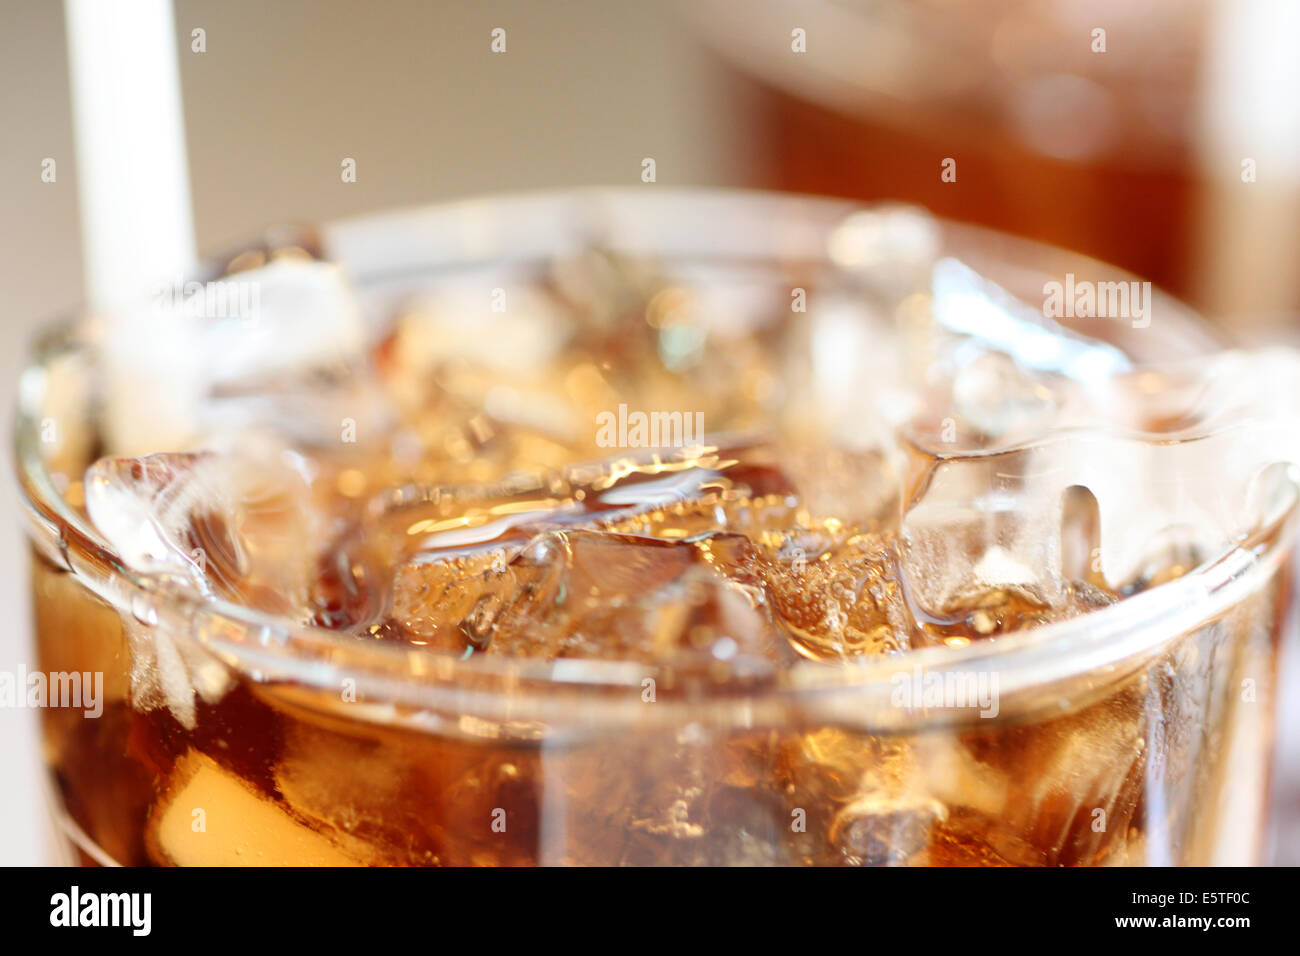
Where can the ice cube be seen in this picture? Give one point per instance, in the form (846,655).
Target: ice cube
(209,817)
(669,797)
(875,830)
(241,526)
(647,546)
(884,801)
(238,527)
(1079,783)
(380,799)
(303,315)
(987,612)
(594,594)
(297,364)
(283,346)
(842,602)
(965,303)
(858,795)
(993,394)
(513,329)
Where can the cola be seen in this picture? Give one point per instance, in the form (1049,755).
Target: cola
(420,590)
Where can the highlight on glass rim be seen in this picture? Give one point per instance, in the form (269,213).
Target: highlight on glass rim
(586,434)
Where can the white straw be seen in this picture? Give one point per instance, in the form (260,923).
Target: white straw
(136,221)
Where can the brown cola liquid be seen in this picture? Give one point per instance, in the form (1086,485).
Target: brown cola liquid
(478,521)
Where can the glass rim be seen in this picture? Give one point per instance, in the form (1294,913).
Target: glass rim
(396,682)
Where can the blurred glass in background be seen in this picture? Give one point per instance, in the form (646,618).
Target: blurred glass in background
(1162,136)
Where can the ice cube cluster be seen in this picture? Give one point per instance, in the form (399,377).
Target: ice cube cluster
(917,457)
